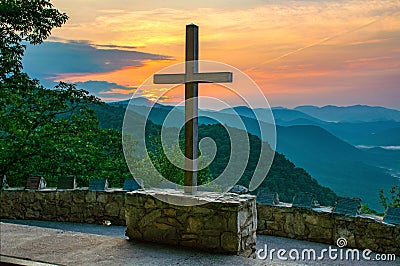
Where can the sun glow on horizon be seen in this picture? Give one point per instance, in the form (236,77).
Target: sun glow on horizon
(295,51)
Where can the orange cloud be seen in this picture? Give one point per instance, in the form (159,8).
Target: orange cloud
(287,47)
(119,91)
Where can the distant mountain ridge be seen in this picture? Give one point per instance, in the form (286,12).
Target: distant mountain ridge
(137,101)
(354,113)
(280,113)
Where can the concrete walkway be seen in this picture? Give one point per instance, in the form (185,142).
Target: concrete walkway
(73,248)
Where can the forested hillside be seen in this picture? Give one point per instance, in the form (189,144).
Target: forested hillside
(284,177)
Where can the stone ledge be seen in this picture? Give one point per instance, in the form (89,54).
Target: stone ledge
(79,205)
(224,223)
(362,232)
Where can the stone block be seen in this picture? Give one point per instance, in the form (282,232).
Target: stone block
(229,241)
(295,226)
(78,196)
(150,203)
(203,210)
(38,196)
(189,236)
(122,216)
(27,196)
(364,243)
(12,195)
(49,196)
(170,212)
(90,196)
(163,226)
(194,225)
(36,206)
(18,211)
(322,220)
(117,196)
(64,197)
(217,222)
(63,212)
(150,217)
(112,209)
(102,197)
(77,208)
(320,234)
(210,242)
(265,212)
(152,234)
(213,226)
(232,222)
(32,215)
(76,217)
(188,243)
(134,215)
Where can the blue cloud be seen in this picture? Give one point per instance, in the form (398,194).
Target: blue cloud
(52,58)
(106,90)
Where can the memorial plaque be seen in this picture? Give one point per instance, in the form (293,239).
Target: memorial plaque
(168,185)
(66,182)
(347,206)
(98,184)
(267,198)
(131,184)
(392,216)
(35,182)
(304,200)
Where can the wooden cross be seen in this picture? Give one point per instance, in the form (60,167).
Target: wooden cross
(191,78)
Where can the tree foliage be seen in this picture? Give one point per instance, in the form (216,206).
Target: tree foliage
(51,132)
(24,21)
(167,169)
(394,200)
(284,177)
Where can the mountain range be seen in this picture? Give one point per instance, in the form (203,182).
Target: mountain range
(353,150)
(355,113)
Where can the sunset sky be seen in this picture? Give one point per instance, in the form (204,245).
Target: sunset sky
(298,52)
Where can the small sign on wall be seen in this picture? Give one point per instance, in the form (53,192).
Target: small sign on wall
(35,182)
(66,182)
(98,184)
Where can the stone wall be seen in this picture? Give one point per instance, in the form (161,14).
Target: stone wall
(198,225)
(79,205)
(361,232)
(226,224)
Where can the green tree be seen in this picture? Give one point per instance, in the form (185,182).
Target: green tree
(44,131)
(24,21)
(367,210)
(167,168)
(394,197)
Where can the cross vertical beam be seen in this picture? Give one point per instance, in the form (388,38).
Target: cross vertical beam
(191,78)
(191,108)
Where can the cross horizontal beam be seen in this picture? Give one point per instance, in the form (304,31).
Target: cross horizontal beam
(211,77)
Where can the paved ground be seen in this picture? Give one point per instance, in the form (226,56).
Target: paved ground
(100,245)
(114,231)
